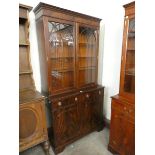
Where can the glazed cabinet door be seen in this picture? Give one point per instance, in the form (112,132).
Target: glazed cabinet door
(61,55)
(87,53)
(65,123)
(127,79)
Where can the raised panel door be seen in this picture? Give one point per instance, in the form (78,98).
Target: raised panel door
(128,147)
(84,114)
(97,108)
(117,130)
(66,124)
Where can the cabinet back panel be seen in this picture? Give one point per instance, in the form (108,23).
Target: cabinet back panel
(24,64)
(22,31)
(26,82)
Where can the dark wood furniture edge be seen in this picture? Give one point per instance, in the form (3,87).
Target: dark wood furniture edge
(107,123)
(129,4)
(29,8)
(120,98)
(55,8)
(112,150)
(75,92)
(63,146)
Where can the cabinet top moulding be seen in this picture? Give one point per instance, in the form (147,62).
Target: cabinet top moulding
(129,8)
(43,9)
(23,10)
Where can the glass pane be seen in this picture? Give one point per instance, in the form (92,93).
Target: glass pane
(129,83)
(61,55)
(87,55)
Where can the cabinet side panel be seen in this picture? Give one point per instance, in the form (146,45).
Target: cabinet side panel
(42,56)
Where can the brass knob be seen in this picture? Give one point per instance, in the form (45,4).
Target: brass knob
(116,116)
(87,95)
(59,103)
(113,142)
(130,110)
(76,98)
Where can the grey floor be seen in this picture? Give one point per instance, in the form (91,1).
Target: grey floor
(92,144)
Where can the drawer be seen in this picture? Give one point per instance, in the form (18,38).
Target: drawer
(88,96)
(98,95)
(127,109)
(62,103)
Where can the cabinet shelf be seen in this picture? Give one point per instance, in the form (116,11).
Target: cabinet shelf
(66,57)
(62,70)
(25,72)
(86,44)
(130,72)
(131,31)
(131,50)
(89,57)
(131,36)
(23,44)
(87,68)
(61,44)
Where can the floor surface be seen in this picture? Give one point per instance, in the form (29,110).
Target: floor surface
(92,144)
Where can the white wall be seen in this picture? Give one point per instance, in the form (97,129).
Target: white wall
(111,33)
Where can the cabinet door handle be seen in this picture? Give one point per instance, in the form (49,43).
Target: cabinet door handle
(76,98)
(116,116)
(113,142)
(59,103)
(130,110)
(99,92)
(87,95)
(81,91)
(125,108)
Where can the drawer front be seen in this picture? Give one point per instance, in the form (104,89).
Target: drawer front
(124,109)
(62,103)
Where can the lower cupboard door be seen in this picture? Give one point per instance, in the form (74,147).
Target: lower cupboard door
(117,130)
(66,124)
(129,138)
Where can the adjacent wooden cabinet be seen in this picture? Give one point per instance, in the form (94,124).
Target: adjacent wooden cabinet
(68,49)
(122,127)
(32,121)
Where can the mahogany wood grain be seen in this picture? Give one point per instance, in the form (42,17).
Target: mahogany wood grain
(122,125)
(32,121)
(69,73)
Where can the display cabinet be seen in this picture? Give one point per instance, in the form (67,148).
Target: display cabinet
(68,51)
(32,121)
(122,126)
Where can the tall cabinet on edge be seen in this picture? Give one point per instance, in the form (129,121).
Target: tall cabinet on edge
(122,127)
(32,120)
(68,49)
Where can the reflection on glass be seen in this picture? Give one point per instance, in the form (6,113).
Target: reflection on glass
(87,55)
(129,83)
(62,55)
